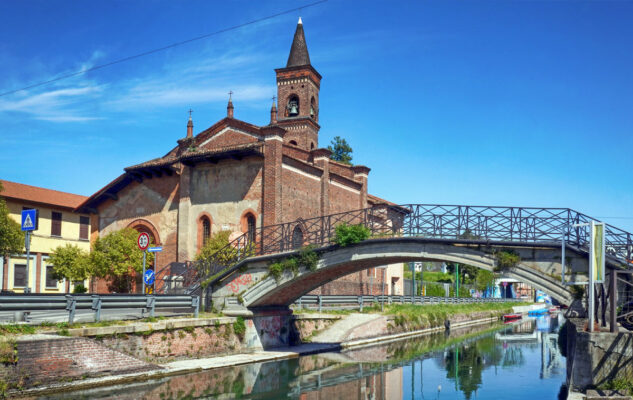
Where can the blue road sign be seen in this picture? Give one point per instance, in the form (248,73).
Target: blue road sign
(149,277)
(29,220)
(154,249)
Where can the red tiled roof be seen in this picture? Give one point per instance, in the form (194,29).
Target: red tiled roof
(19,191)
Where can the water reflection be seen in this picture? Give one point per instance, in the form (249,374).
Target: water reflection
(482,362)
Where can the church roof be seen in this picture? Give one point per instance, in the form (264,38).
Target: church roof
(299,51)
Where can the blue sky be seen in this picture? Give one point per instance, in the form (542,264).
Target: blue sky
(524,103)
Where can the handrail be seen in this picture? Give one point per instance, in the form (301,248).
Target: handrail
(71,303)
(510,224)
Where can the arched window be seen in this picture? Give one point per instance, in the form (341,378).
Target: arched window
(292,109)
(250,223)
(293,142)
(313,108)
(312,146)
(206,230)
(297,237)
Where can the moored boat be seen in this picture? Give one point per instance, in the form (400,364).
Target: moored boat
(511,317)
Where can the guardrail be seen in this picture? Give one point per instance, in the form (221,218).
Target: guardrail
(71,303)
(317,301)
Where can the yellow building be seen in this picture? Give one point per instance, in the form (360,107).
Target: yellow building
(58,225)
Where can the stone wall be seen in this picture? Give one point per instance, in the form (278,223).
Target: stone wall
(595,358)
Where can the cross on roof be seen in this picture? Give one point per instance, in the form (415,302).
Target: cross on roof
(230,94)
(190,111)
(274,97)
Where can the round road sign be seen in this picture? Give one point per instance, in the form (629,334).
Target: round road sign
(149,277)
(143,241)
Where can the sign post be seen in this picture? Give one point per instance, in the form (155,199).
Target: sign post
(596,265)
(155,250)
(29,224)
(143,244)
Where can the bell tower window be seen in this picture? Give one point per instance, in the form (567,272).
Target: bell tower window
(292,109)
(313,112)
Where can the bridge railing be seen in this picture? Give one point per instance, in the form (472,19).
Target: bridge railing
(511,224)
(319,302)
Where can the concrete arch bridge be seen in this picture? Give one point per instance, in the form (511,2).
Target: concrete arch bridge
(401,233)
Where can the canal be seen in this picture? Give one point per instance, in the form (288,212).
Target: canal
(519,361)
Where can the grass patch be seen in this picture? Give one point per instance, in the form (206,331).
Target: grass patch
(415,317)
(619,384)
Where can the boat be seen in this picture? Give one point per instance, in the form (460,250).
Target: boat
(511,317)
(540,311)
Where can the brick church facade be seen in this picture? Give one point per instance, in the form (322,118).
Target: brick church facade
(237,176)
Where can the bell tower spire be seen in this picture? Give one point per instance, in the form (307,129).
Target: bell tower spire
(298,87)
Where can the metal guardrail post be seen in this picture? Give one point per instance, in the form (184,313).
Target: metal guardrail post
(195,303)
(151,304)
(71,304)
(96,306)
(320,303)
(360,303)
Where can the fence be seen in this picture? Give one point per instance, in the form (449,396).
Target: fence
(319,302)
(147,303)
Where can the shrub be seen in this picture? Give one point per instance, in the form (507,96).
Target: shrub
(349,234)
(506,259)
(239,327)
(577,291)
(308,258)
(80,289)
(275,270)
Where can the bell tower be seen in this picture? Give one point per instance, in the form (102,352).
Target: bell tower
(298,87)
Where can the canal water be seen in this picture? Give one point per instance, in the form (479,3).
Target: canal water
(518,361)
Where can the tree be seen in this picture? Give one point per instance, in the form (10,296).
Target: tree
(216,249)
(71,262)
(11,235)
(341,151)
(117,258)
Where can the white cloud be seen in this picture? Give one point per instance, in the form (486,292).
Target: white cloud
(59,105)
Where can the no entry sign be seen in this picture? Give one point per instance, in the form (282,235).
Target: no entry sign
(143,241)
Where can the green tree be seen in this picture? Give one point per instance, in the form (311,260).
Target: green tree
(341,151)
(117,258)
(11,236)
(71,262)
(216,249)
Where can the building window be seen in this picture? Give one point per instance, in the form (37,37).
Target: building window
(84,224)
(297,237)
(293,142)
(250,227)
(51,282)
(19,275)
(56,224)
(292,109)
(206,230)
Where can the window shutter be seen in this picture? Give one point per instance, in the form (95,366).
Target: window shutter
(56,224)
(84,223)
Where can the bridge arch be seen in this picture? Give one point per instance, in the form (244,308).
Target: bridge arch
(373,253)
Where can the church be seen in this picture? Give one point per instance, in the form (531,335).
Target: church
(237,176)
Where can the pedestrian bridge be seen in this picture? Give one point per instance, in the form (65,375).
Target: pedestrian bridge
(258,289)
(471,235)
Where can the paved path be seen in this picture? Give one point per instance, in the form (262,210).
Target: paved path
(339,331)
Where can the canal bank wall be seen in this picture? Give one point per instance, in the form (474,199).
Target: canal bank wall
(139,351)
(596,358)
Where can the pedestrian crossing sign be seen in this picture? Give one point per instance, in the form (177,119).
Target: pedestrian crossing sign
(29,220)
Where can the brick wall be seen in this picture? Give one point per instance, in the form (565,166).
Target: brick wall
(44,360)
